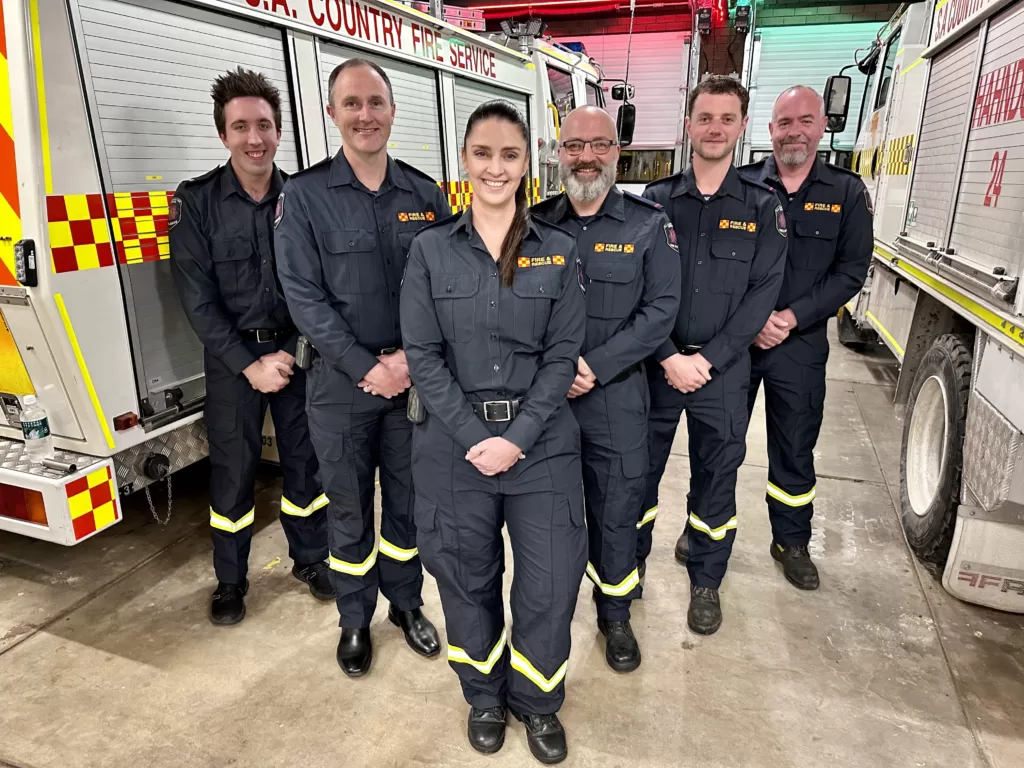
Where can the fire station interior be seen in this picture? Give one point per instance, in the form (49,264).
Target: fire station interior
(108,659)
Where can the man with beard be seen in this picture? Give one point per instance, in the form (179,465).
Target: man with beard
(629,254)
(829,211)
(733,247)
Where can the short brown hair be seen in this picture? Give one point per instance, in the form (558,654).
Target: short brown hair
(348,64)
(718,85)
(243,82)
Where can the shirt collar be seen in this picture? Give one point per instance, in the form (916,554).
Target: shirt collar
(465,224)
(731,185)
(230,185)
(819,172)
(341,174)
(614,205)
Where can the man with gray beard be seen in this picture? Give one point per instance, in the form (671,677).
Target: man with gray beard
(830,219)
(628,249)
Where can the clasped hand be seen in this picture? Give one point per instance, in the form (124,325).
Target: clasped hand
(494,456)
(389,378)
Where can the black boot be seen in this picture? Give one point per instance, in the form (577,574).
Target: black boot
(705,614)
(228,604)
(487,729)
(317,576)
(796,565)
(545,735)
(683,546)
(621,650)
(355,651)
(420,633)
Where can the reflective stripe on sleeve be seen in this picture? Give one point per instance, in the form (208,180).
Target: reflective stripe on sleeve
(624,587)
(354,569)
(232,526)
(521,665)
(457,654)
(715,533)
(790,501)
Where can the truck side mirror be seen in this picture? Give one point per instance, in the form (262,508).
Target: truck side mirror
(624,123)
(623,92)
(837,102)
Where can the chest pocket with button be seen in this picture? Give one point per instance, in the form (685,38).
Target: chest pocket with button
(455,298)
(815,242)
(730,264)
(237,275)
(534,295)
(352,261)
(610,294)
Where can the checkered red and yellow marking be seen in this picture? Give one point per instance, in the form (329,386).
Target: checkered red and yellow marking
(460,193)
(92,501)
(80,237)
(10,207)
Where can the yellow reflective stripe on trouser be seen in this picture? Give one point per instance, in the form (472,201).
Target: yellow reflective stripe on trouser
(520,664)
(354,569)
(232,526)
(624,587)
(459,655)
(293,509)
(791,501)
(715,533)
(648,517)
(396,553)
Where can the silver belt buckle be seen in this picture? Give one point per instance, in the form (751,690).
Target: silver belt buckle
(505,403)
(263,336)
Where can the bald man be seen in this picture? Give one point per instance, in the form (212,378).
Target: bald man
(628,249)
(830,240)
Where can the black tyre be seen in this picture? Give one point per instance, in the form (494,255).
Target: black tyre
(931,462)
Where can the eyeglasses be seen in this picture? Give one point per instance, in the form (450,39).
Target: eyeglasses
(597,146)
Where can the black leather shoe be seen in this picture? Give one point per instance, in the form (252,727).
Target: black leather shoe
(705,614)
(317,576)
(228,604)
(796,565)
(420,634)
(545,735)
(355,651)
(487,729)
(621,650)
(683,547)
(641,570)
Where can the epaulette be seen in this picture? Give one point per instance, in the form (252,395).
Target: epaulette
(544,223)
(326,161)
(208,176)
(666,180)
(847,171)
(642,200)
(413,169)
(757,183)
(439,223)
(751,166)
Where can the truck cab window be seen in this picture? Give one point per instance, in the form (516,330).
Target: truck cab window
(885,86)
(561,92)
(595,98)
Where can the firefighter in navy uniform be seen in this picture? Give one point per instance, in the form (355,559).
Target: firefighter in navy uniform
(629,254)
(222,259)
(343,232)
(830,242)
(732,246)
(493,320)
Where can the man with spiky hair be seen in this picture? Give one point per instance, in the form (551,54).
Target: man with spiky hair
(222,257)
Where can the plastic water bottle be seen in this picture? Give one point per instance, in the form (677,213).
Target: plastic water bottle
(35,427)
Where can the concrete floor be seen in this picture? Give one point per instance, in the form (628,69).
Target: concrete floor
(107,658)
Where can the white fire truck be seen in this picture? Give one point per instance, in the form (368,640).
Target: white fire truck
(941,149)
(104,109)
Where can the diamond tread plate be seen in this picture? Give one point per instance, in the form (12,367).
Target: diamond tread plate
(991,446)
(13,457)
(183,446)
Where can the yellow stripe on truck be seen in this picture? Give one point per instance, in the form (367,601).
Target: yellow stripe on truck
(44,127)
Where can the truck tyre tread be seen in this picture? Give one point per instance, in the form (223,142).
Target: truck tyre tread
(930,535)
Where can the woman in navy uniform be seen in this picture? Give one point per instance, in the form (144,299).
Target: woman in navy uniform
(493,320)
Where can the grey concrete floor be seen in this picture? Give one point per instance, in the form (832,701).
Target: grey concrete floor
(107,658)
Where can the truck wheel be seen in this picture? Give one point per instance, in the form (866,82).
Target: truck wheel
(931,462)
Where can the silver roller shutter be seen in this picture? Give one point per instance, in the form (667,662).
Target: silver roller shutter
(945,108)
(149,66)
(416,133)
(992,234)
(469,95)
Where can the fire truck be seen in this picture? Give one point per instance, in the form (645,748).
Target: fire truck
(941,150)
(104,110)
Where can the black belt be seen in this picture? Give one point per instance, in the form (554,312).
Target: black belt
(689,349)
(497,410)
(389,350)
(263,335)
(633,369)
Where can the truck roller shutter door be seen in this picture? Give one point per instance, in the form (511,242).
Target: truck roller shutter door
(416,133)
(987,225)
(149,66)
(469,95)
(946,105)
